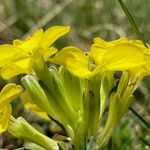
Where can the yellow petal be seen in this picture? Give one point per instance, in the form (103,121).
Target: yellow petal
(105,44)
(7,53)
(15,59)
(49,52)
(13,70)
(137,42)
(30,43)
(100,46)
(24,63)
(143,70)
(68,52)
(75,60)
(19,64)
(8,93)
(52,34)
(123,56)
(80,68)
(97,54)
(29,104)
(4,118)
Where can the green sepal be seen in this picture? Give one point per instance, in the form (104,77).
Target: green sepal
(73,87)
(119,104)
(37,94)
(123,83)
(107,84)
(89,122)
(53,87)
(21,129)
(126,101)
(112,120)
(91,106)
(58,98)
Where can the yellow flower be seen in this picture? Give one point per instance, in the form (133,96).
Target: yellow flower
(18,58)
(8,93)
(116,55)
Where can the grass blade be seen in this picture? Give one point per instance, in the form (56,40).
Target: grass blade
(132,22)
(141,118)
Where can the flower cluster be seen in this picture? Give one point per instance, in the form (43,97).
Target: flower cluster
(71,86)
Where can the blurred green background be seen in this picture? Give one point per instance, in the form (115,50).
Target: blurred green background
(88,19)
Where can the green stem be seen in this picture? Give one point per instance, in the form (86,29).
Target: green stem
(132,22)
(143,120)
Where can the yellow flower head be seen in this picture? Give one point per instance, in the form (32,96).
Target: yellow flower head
(8,93)
(116,55)
(18,58)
